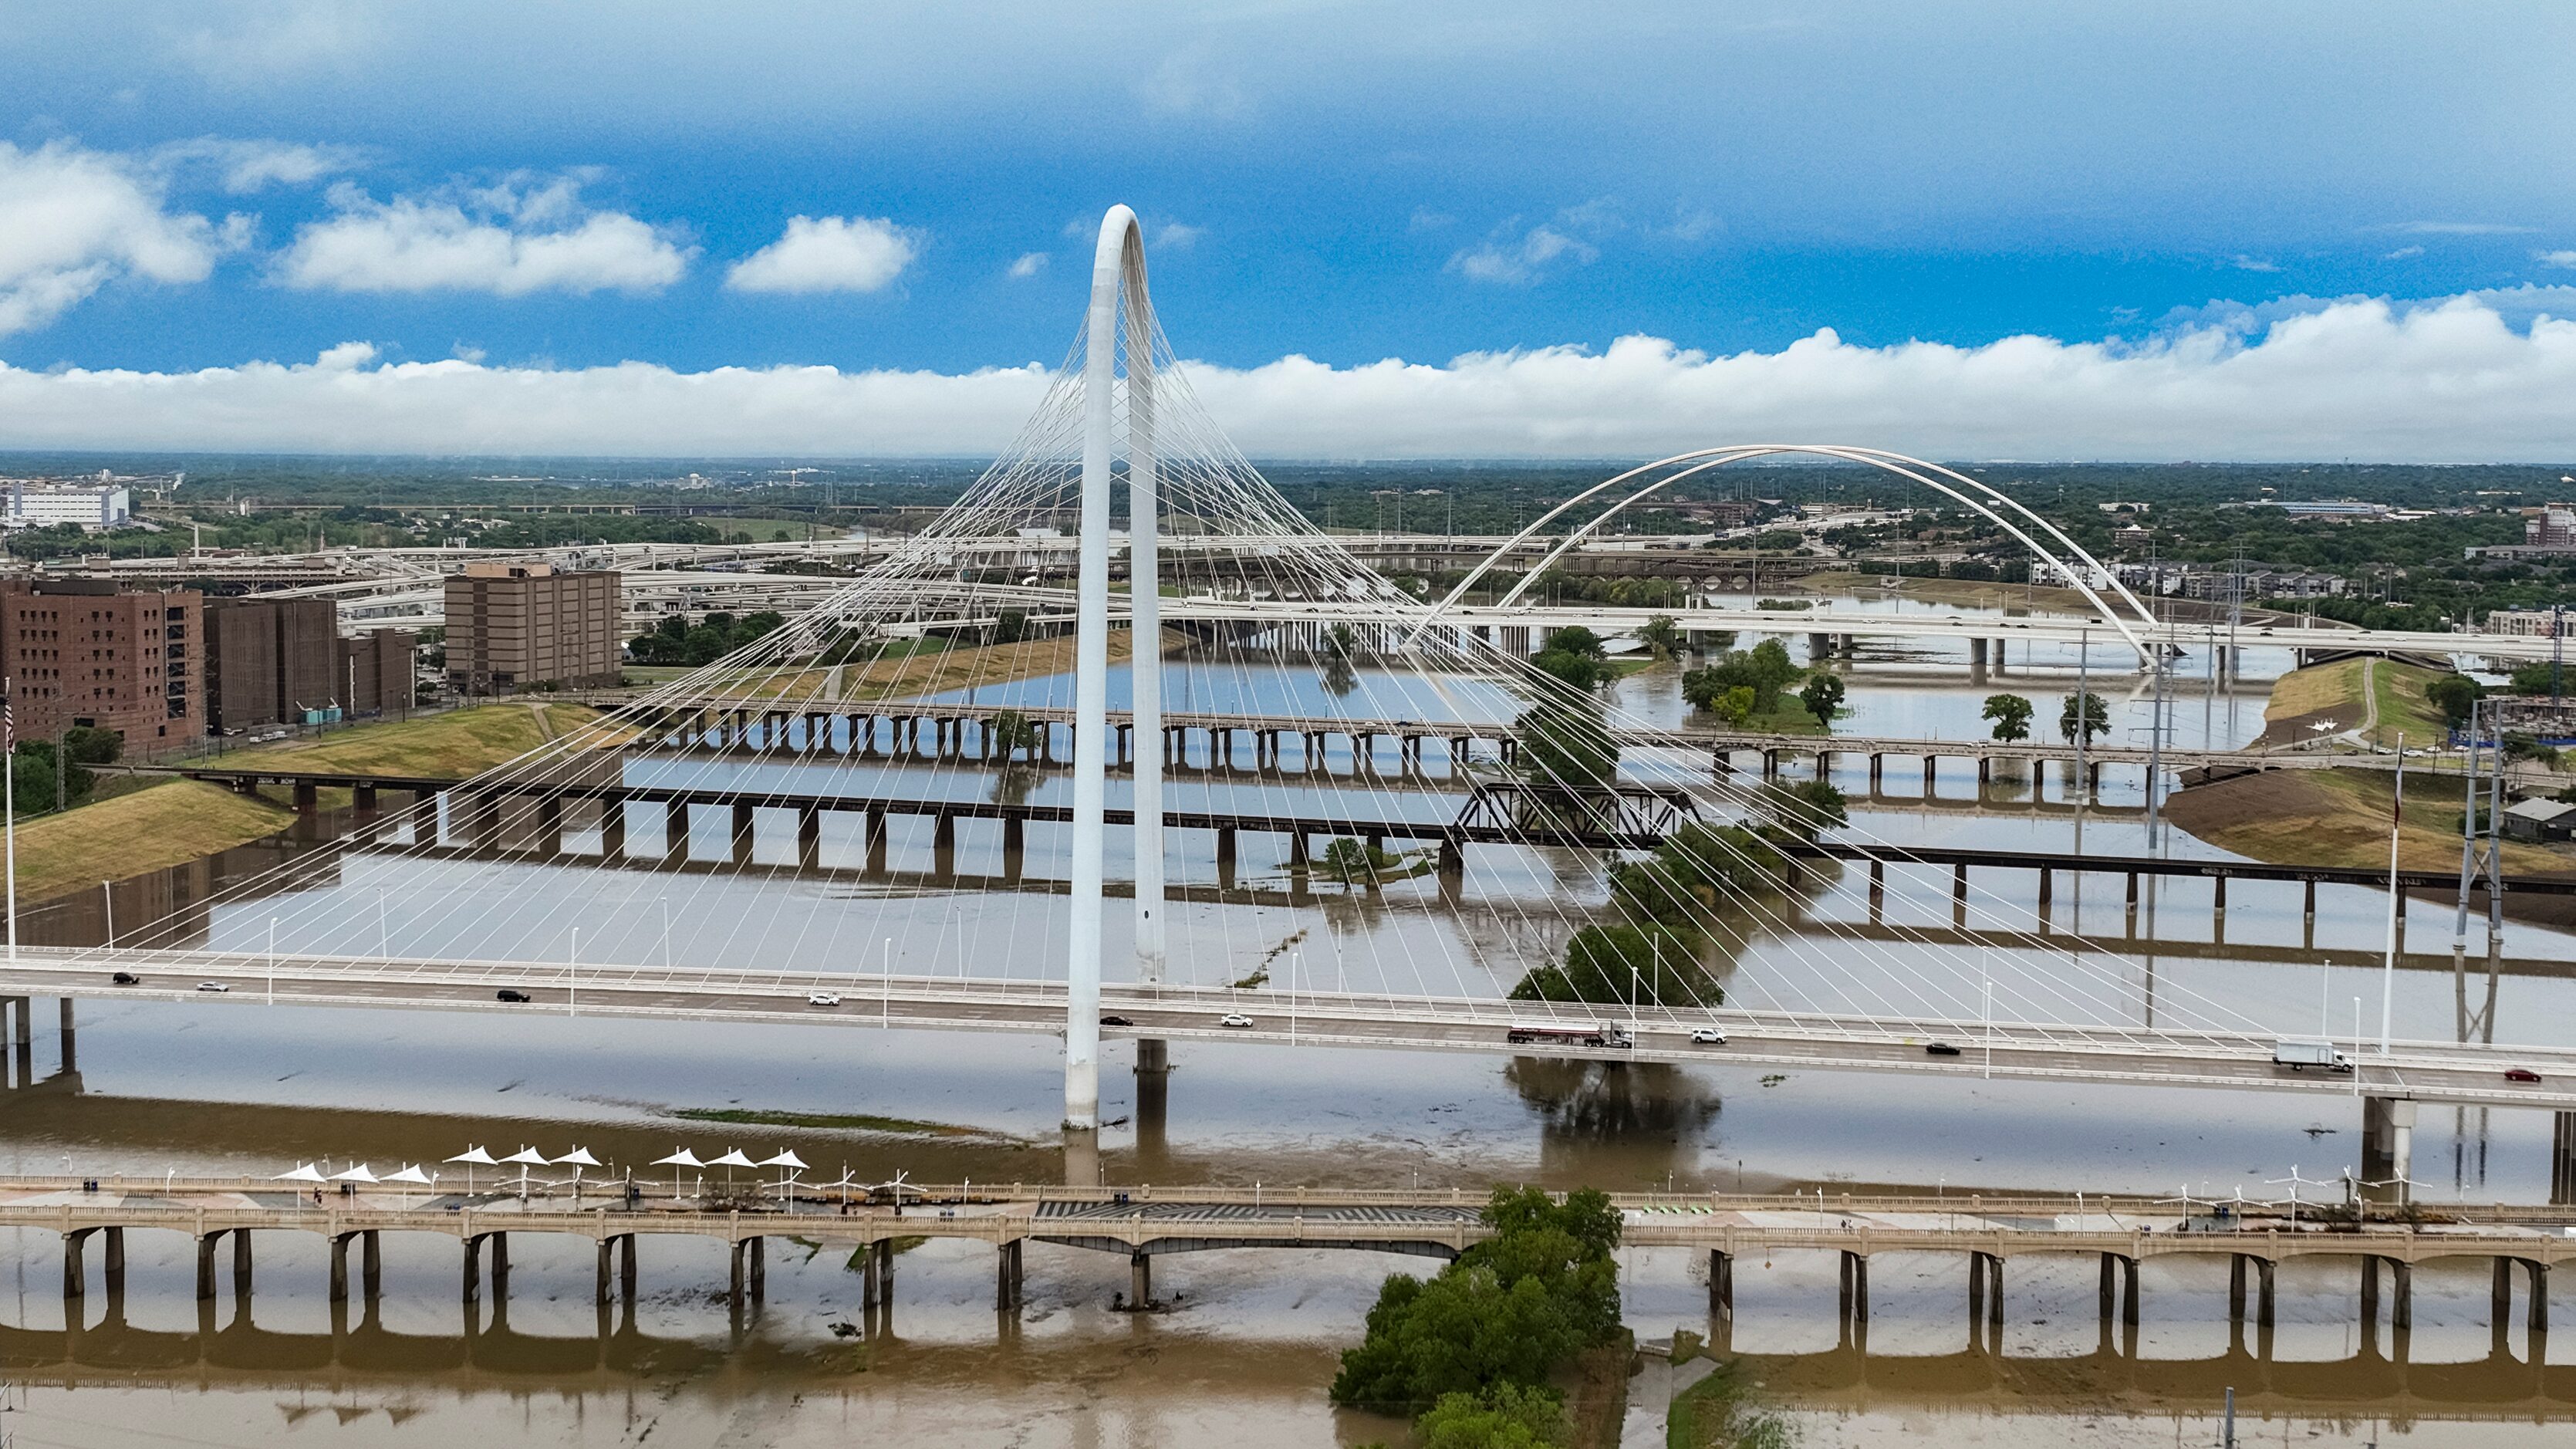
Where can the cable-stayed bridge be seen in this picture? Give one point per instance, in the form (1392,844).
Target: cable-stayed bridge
(1618,880)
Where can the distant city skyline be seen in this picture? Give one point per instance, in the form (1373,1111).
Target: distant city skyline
(1965,229)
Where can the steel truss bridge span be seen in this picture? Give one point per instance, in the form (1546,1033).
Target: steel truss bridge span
(2463,1074)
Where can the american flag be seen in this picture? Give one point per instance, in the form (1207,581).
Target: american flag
(9,717)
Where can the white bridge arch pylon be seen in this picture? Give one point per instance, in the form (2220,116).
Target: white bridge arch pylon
(1976,495)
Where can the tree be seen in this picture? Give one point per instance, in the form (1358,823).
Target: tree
(90,745)
(1505,1416)
(1575,639)
(1506,1312)
(1581,670)
(2455,695)
(2011,714)
(1766,669)
(1803,810)
(1651,964)
(1566,749)
(2097,718)
(1733,708)
(1822,697)
(1348,859)
(1662,635)
(1010,732)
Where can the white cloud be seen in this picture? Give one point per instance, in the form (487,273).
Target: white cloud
(2244,263)
(2454,228)
(508,239)
(2402,254)
(1029,265)
(1177,236)
(2443,381)
(1523,259)
(1192,82)
(243,167)
(2557,259)
(72,220)
(251,43)
(828,254)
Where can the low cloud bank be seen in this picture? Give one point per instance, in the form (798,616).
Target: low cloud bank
(2453,381)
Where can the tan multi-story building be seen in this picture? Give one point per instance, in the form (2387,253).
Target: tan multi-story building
(516,626)
(83,652)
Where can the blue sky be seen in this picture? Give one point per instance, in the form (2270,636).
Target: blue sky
(563,187)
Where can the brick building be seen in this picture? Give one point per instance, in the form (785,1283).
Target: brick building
(83,652)
(376,671)
(269,660)
(515,626)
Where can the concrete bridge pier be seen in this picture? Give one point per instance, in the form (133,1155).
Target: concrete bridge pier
(809,837)
(750,1272)
(2308,920)
(1225,857)
(743,830)
(1014,848)
(1877,892)
(1452,869)
(1006,1277)
(1877,773)
(1855,1295)
(2562,1158)
(943,844)
(2047,898)
(1986,1292)
(2119,1289)
(1976,661)
(876,837)
(675,832)
(1140,1280)
(1721,1293)
(65,1038)
(612,829)
(2401,1296)
(241,1263)
(2388,1145)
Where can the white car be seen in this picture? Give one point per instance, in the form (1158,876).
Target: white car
(822,998)
(212,986)
(1707,1036)
(1234,1019)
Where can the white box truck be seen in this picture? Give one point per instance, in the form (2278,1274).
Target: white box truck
(2299,1053)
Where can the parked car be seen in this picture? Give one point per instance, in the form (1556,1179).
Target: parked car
(2521,1074)
(1113,1019)
(822,998)
(1707,1036)
(1939,1049)
(506,994)
(125,978)
(1234,1019)
(212,986)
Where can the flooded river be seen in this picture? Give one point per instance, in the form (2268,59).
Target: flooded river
(185,1087)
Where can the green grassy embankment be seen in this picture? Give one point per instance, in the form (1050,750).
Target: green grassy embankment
(166,823)
(460,743)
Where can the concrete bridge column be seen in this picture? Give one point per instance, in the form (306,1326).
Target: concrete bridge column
(1297,850)
(1311,758)
(112,1260)
(612,828)
(1959,895)
(1006,1277)
(943,844)
(809,837)
(1225,857)
(241,1262)
(371,1265)
(742,833)
(1855,1293)
(362,798)
(2047,896)
(626,1266)
(308,799)
(876,842)
(550,823)
(1977,661)
(75,1275)
(2133,903)
(2562,1157)
(65,1037)
(1014,847)
(340,1266)
(1452,867)
(2388,1144)
(474,1269)
(1721,1289)
(1877,891)
(1931,777)
(1140,1280)
(1877,772)
(675,832)
(1770,764)
(206,1267)
(2538,1320)
(1985,773)
(2308,921)
(869,1291)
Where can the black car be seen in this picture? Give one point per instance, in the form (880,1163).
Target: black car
(126,978)
(1939,1049)
(506,994)
(1115,1021)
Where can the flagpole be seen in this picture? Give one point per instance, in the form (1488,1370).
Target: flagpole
(2396,902)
